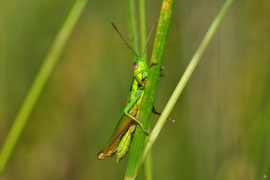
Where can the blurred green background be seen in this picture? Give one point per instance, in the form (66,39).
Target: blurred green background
(222,126)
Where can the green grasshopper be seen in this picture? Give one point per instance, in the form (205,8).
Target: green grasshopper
(121,138)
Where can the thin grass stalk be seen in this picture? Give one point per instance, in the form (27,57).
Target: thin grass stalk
(147,166)
(39,82)
(193,63)
(132,27)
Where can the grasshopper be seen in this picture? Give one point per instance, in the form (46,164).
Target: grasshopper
(121,138)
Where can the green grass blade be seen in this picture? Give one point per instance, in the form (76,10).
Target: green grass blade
(39,82)
(193,63)
(132,27)
(142,27)
(151,86)
(147,166)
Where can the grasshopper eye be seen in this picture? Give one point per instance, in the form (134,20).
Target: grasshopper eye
(135,65)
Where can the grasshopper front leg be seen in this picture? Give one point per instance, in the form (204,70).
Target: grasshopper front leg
(152,64)
(141,72)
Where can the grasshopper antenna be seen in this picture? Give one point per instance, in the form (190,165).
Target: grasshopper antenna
(124,39)
(149,36)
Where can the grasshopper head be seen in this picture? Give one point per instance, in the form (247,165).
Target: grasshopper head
(140,69)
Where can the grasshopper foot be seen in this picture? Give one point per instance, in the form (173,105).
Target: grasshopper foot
(152,64)
(158,113)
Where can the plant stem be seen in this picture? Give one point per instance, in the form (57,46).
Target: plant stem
(150,89)
(193,63)
(142,27)
(147,166)
(39,82)
(132,27)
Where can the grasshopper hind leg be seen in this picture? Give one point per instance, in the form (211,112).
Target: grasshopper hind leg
(158,113)
(138,122)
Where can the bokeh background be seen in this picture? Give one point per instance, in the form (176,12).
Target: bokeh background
(222,126)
